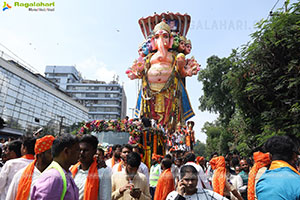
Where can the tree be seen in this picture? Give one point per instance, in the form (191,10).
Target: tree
(217,97)
(256,89)
(199,149)
(266,81)
(217,138)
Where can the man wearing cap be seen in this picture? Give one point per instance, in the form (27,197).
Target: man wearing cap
(56,181)
(23,180)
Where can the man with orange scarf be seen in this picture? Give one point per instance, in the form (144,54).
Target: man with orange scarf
(165,183)
(115,159)
(11,167)
(24,179)
(125,150)
(220,183)
(261,161)
(281,180)
(93,183)
(56,181)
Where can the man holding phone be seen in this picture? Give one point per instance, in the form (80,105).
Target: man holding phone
(187,187)
(130,184)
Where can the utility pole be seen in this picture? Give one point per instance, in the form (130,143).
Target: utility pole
(60,124)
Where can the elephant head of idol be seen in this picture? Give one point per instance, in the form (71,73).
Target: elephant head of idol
(162,39)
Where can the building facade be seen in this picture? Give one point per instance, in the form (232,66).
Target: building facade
(103,100)
(29,100)
(62,75)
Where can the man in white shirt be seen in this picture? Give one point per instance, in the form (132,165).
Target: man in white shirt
(31,173)
(125,150)
(87,168)
(14,151)
(202,179)
(11,167)
(115,159)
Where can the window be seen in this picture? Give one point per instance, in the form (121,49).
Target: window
(14,81)
(91,95)
(92,109)
(11,100)
(101,88)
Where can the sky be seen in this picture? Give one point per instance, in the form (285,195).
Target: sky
(101,38)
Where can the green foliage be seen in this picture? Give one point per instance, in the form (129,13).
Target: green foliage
(256,90)
(217,97)
(199,149)
(74,128)
(269,72)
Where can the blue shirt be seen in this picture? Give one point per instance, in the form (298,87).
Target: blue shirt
(278,184)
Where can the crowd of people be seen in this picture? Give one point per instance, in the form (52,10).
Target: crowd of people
(70,167)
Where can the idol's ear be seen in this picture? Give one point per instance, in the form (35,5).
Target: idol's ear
(171,42)
(154,47)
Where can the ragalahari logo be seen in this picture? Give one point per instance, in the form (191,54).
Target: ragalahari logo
(6,6)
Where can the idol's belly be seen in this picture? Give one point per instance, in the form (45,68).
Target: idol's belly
(158,75)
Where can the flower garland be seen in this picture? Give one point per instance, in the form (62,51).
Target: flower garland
(134,128)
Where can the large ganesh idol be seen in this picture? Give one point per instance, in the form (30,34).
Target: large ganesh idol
(162,65)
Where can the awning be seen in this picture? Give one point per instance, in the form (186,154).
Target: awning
(7,132)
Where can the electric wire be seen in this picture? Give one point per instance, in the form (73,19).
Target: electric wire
(26,64)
